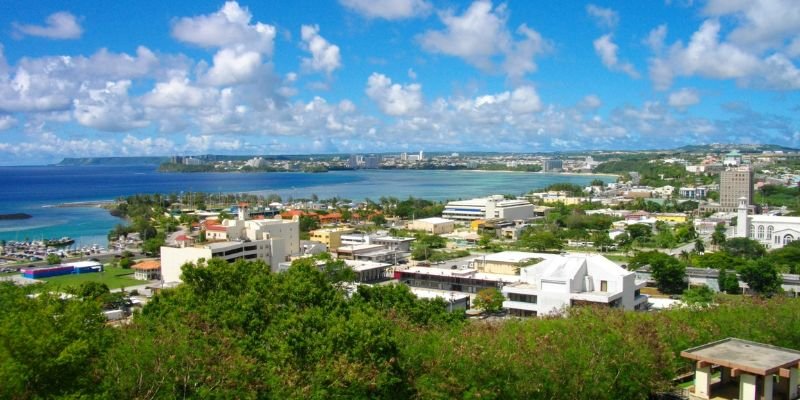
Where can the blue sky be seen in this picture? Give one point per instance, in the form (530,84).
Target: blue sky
(276,77)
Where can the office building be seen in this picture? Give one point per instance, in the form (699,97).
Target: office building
(491,207)
(735,183)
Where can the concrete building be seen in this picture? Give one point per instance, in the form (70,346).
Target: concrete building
(456,301)
(572,280)
(372,162)
(256,162)
(772,231)
(369,271)
(509,262)
(331,237)
(173,258)
(436,226)
(692,192)
(552,165)
(495,206)
(734,184)
(282,232)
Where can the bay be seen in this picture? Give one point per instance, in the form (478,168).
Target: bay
(37,189)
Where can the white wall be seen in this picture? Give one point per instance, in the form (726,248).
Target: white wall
(173,258)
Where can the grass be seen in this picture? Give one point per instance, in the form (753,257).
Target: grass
(113,278)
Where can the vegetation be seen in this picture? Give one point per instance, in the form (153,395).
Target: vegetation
(489,300)
(219,336)
(778,196)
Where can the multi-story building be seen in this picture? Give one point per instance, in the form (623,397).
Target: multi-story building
(552,165)
(735,183)
(372,162)
(692,192)
(173,258)
(434,225)
(488,208)
(573,280)
(331,237)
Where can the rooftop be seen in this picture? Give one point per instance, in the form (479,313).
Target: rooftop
(435,220)
(516,256)
(752,357)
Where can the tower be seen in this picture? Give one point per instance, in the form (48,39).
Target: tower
(741,219)
(243,214)
(735,183)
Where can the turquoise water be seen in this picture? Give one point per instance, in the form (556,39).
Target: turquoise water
(34,190)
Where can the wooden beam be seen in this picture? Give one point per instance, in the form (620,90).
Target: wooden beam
(784,372)
(735,372)
(703,364)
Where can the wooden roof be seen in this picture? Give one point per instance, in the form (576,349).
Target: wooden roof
(745,356)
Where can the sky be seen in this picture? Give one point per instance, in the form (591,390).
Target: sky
(138,78)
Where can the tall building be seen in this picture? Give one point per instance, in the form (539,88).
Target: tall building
(735,183)
(488,208)
(421,156)
(372,162)
(552,164)
(352,162)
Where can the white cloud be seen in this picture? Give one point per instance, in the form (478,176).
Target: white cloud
(603,17)
(394,99)
(324,55)
(177,92)
(147,146)
(108,109)
(763,24)
(591,102)
(480,34)
(388,9)
(7,122)
(607,50)
(228,27)
(204,143)
(525,100)
(655,39)
(411,74)
(681,99)
(60,25)
(232,67)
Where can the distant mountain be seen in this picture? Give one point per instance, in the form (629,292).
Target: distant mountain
(725,147)
(113,161)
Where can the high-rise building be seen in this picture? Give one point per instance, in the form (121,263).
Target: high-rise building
(372,162)
(352,162)
(735,183)
(552,164)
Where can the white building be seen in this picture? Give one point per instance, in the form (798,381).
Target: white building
(772,231)
(578,279)
(488,207)
(256,162)
(283,232)
(173,258)
(434,225)
(693,192)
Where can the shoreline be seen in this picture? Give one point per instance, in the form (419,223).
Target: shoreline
(82,204)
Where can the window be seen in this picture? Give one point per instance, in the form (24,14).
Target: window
(752,231)
(787,239)
(603,286)
(769,232)
(761,231)
(525,298)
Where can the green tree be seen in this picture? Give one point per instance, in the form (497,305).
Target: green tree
(744,247)
(762,277)
(728,281)
(718,237)
(668,272)
(699,246)
(308,223)
(378,219)
(125,262)
(698,295)
(638,232)
(489,300)
(601,240)
(153,246)
(53,259)
(542,240)
(787,258)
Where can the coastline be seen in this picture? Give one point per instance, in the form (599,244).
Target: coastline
(82,204)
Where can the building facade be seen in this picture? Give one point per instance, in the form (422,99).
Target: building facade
(735,183)
(436,226)
(488,208)
(771,231)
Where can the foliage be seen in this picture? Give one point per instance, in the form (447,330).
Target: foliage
(540,240)
(418,208)
(718,237)
(744,247)
(638,231)
(489,300)
(787,258)
(728,281)
(698,295)
(778,196)
(668,272)
(53,259)
(761,276)
(308,223)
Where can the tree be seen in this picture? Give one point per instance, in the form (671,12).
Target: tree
(378,219)
(601,240)
(699,247)
(668,272)
(744,247)
(153,246)
(728,281)
(718,237)
(638,231)
(762,277)
(787,258)
(542,240)
(489,300)
(125,263)
(53,259)
(308,223)
(698,295)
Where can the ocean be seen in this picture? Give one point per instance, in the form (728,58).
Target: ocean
(36,190)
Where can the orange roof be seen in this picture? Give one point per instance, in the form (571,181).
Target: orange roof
(218,228)
(148,265)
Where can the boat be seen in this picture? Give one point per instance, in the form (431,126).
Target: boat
(64,241)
